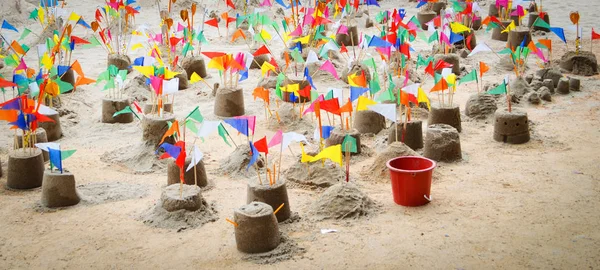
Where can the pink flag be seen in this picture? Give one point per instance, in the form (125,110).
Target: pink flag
(179,27)
(266,3)
(444,38)
(405,78)
(311,108)
(385,51)
(157,38)
(156,83)
(343,29)
(251,121)
(327,66)
(277,138)
(22,65)
(297,32)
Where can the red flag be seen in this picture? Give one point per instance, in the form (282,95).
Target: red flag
(595,35)
(429,69)
(441,64)
(305,92)
(330,105)
(343,49)
(78,40)
(261,145)
(213,22)
(212,55)
(469,37)
(230,4)
(262,50)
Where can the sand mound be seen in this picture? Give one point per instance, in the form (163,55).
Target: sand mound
(97,193)
(341,201)
(584,63)
(480,106)
(286,250)
(378,170)
(137,88)
(235,163)
(139,158)
(290,119)
(16,12)
(314,175)
(178,220)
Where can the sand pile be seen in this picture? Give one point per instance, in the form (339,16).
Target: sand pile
(179,220)
(139,158)
(235,163)
(378,169)
(341,201)
(289,118)
(137,88)
(314,175)
(286,250)
(16,12)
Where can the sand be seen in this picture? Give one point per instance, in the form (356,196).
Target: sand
(503,206)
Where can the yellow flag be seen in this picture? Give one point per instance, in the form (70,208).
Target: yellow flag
(422,97)
(266,67)
(195,78)
(217,63)
(305,158)
(136,46)
(286,37)
(147,71)
(74,17)
(451,79)
(265,35)
(510,27)
(303,40)
(333,153)
(294,88)
(458,28)
(363,103)
(41,14)
(170,74)
(46,61)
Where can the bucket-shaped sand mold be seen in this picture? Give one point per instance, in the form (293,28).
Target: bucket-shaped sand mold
(411,180)
(257,230)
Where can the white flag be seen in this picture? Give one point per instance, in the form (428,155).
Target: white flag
(196,157)
(312,58)
(387,110)
(481,47)
(207,128)
(170,86)
(290,137)
(48,145)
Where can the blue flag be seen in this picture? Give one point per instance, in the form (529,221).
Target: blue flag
(55,158)
(172,150)
(309,78)
(62,70)
(254,156)
(8,26)
(241,125)
(559,32)
(244,74)
(379,43)
(327,131)
(454,38)
(83,23)
(138,61)
(372,3)
(355,92)
(282,4)
(421,3)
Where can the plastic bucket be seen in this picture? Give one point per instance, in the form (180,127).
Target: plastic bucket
(411,180)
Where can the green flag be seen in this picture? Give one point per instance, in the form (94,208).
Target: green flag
(126,110)
(94,42)
(374,85)
(433,37)
(541,23)
(196,115)
(297,56)
(200,37)
(24,34)
(64,154)
(387,95)
(499,90)
(64,87)
(223,133)
(191,126)
(313,95)
(505,51)
(469,78)
(370,63)
(349,144)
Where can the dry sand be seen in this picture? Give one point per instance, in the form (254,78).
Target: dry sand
(504,206)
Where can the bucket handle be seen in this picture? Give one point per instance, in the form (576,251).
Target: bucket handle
(429,199)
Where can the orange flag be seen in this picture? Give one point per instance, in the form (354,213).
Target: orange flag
(262,93)
(347,108)
(440,86)
(547,43)
(77,68)
(238,34)
(83,81)
(171,131)
(8,115)
(483,68)
(17,47)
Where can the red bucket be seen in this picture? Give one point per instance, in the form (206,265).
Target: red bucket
(411,180)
